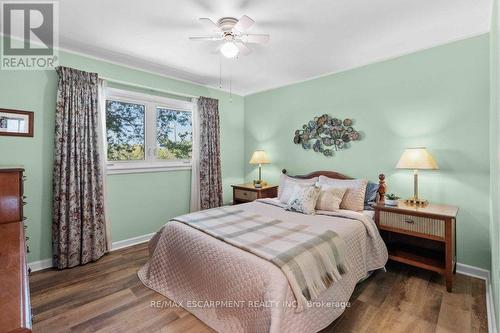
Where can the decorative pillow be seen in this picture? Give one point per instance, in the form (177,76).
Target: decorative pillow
(287,184)
(330,198)
(354,197)
(371,195)
(303,199)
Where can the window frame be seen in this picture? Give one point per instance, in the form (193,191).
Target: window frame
(151,103)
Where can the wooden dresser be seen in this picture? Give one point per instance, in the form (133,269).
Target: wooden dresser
(15,309)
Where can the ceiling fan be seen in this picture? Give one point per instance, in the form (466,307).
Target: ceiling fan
(231,32)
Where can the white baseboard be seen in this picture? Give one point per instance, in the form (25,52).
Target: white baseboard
(473,271)
(131,241)
(47,263)
(484,275)
(40,264)
(490,308)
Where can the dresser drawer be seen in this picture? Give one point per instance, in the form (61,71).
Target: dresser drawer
(245,195)
(418,224)
(11,192)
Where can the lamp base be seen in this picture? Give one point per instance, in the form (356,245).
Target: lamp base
(259,183)
(416,202)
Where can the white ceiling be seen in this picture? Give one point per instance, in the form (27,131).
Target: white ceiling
(308,38)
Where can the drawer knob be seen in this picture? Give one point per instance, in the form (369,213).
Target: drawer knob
(409,221)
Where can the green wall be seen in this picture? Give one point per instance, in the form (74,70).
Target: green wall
(437,98)
(138,203)
(494,167)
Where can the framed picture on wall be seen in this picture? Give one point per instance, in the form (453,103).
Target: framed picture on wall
(16,123)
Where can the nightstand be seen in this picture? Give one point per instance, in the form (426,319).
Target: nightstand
(424,237)
(247,192)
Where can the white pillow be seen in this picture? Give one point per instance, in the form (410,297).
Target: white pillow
(330,198)
(303,199)
(354,196)
(285,190)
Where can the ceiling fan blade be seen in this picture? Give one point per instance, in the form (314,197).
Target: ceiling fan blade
(210,24)
(255,38)
(206,38)
(244,50)
(217,50)
(244,23)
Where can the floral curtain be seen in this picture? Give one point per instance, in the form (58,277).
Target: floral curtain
(78,228)
(210,167)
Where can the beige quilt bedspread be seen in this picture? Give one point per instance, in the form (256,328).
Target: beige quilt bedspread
(232,290)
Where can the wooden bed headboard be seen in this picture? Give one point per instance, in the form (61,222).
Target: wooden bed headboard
(332,174)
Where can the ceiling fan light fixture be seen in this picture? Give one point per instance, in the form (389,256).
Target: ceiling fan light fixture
(229,50)
(230,34)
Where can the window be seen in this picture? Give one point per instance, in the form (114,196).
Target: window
(174,134)
(125,124)
(147,133)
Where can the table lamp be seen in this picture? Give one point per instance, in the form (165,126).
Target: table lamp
(259,157)
(417,159)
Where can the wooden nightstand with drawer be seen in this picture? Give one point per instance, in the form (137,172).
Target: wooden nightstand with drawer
(247,192)
(424,237)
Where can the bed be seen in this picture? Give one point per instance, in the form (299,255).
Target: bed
(234,290)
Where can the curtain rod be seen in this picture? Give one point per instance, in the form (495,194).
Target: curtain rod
(136,85)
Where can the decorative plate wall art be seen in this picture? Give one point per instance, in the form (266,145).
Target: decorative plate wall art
(325,134)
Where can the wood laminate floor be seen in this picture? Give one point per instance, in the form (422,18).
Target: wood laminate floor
(107,296)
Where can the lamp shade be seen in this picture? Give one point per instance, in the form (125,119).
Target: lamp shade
(259,157)
(417,159)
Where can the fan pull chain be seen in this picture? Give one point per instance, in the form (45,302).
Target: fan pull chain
(230,84)
(220,71)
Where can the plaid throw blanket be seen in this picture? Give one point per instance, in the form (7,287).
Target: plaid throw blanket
(311,261)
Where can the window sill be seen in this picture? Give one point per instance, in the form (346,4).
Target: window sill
(125,169)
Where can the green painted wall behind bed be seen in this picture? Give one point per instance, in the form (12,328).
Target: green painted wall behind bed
(138,203)
(437,98)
